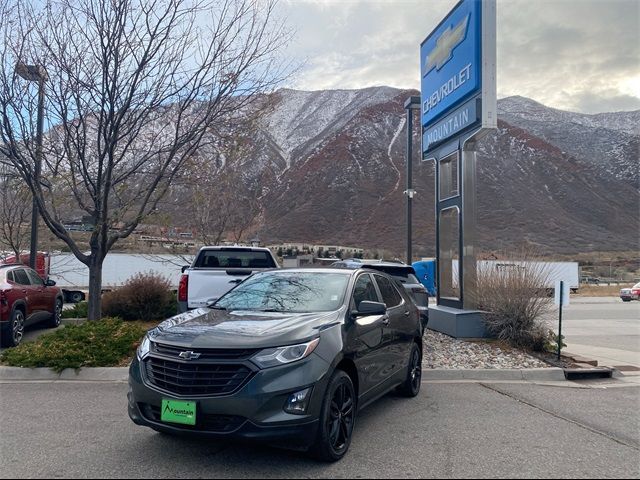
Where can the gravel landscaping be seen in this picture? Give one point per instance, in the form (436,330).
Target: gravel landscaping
(443,351)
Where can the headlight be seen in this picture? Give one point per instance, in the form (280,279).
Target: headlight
(143,349)
(273,357)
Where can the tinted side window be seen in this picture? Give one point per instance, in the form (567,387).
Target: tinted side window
(389,293)
(34,278)
(21,277)
(10,277)
(364,290)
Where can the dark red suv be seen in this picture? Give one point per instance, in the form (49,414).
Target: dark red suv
(26,299)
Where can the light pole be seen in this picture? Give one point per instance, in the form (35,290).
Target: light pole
(411,104)
(35,73)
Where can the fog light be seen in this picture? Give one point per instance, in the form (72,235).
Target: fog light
(298,402)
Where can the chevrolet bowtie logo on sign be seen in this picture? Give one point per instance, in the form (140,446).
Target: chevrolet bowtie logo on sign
(451,61)
(189,355)
(450,39)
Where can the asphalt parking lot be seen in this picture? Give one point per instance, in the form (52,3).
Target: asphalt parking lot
(452,430)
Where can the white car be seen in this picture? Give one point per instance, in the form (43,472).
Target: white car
(628,294)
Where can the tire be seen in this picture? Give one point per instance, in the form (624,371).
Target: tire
(56,316)
(411,386)
(12,335)
(337,419)
(76,297)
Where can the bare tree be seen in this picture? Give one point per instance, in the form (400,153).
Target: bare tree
(15,213)
(135,89)
(221,190)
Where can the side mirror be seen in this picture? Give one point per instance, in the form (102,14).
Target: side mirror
(367,307)
(184,268)
(50,283)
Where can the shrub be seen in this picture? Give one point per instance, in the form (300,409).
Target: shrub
(514,297)
(79,310)
(103,343)
(145,296)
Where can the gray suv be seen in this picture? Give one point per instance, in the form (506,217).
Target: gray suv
(287,357)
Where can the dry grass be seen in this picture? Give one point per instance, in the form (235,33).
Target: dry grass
(515,299)
(602,291)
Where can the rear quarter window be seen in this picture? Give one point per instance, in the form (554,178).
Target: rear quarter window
(390,295)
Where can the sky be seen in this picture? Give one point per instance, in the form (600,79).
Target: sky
(576,55)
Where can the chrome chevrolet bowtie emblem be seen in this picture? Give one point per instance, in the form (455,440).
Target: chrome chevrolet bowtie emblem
(450,39)
(189,355)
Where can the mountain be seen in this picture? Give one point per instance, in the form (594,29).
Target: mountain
(608,141)
(330,168)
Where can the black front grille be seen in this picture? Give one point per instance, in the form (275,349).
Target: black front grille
(205,353)
(196,379)
(204,422)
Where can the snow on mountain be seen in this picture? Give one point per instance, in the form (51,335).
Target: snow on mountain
(530,110)
(607,141)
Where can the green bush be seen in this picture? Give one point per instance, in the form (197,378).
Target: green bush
(79,310)
(145,297)
(103,343)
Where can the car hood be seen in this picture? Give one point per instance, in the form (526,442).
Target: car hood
(208,328)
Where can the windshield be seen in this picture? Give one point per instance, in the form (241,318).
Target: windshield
(287,292)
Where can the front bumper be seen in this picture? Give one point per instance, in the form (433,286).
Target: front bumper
(254,413)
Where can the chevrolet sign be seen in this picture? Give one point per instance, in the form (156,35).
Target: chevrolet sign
(451,61)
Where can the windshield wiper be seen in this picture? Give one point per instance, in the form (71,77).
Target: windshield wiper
(216,307)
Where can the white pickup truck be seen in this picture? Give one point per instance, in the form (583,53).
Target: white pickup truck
(216,270)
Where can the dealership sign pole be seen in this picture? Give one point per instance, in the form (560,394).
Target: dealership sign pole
(458,96)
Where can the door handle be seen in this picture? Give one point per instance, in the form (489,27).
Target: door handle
(407,313)
(235,281)
(385,320)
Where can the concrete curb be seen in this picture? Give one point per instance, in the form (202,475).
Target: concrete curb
(530,374)
(120,374)
(97,374)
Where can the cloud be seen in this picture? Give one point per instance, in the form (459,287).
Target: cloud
(569,54)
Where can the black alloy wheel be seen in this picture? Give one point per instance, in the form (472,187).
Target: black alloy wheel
(56,316)
(413,382)
(337,419)
(15,330)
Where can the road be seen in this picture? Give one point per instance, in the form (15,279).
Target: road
(452,430)
(604,329)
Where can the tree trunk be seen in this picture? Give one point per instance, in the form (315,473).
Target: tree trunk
(95,288)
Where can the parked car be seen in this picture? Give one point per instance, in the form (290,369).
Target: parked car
(628,294)
(590,280)
(26,299)
(403,273)
(288,357)
(216,270)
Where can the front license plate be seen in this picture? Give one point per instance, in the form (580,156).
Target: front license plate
(175,411)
